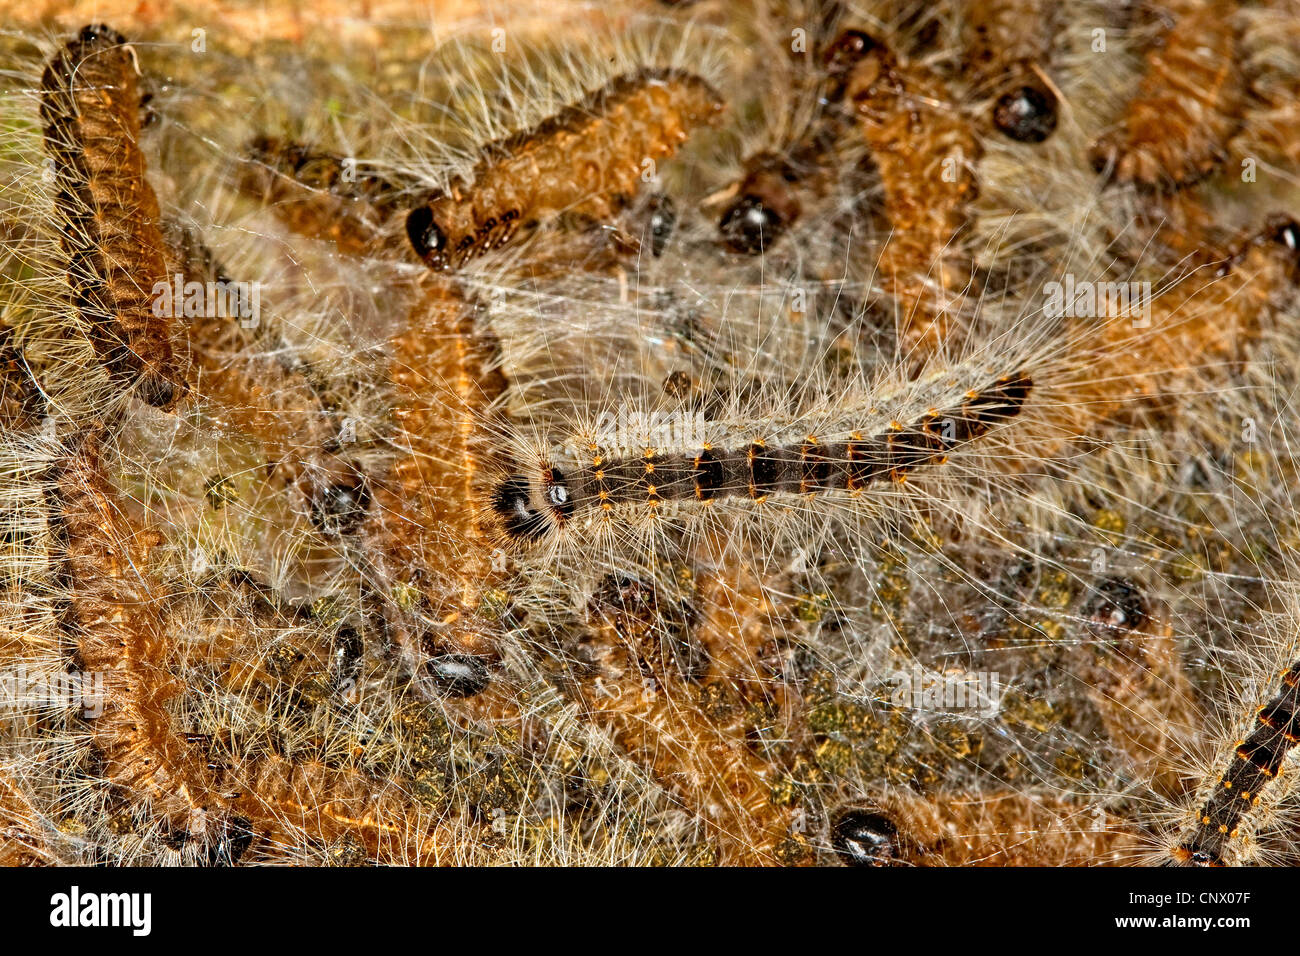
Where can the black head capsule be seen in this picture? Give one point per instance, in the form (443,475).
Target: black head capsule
(158,391)
(1027,114)
(849,47)
(459,675)
(339,508)
(864,838)
(427,238)
(527,511)
(663,217)
(749,226)
(1286,233)
(1115,605)
(512,502)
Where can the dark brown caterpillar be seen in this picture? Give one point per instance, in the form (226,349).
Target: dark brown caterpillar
(585,161)
(90,106)
(1176,129)
(529,508)
(1255,761)
(1005,40)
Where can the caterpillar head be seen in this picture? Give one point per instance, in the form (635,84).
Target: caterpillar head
(428,239)
(528,509)
(1026,114)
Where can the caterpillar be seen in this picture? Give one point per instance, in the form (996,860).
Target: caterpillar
(778,182)
(997,829)
(90,105)
(1256,760)
(1175,131)
(315,193)
(1270,36)
(244,387)
(423,521)
(114,617)
(923,149)
(529,507)
(583,162)
(715,690)
(1004,44)
(653,697)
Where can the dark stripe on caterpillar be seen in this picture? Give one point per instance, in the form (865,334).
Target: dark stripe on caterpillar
(1255,762)
(529,508)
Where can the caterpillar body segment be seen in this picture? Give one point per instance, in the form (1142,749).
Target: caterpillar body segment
(585,161)
(109,213)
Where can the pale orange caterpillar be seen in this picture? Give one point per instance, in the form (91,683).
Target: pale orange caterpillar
(278,799)
(1206,319)
(312,197)
(584,162)
(21,840)
(923,148)
(1002,828)
(246,388)
(1270,45)
(1176,128)
(115,622)
(1007,43)
(1136,681)
(650,693)
(90,104)
(424,524)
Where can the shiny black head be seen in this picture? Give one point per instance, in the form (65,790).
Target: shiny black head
(849,47)
(1286,233)
(528,510)
(158,390)
(663,217)
(1115,605)
(865,838)
(340,507)
(427,238)
(1027,114)
(749,226)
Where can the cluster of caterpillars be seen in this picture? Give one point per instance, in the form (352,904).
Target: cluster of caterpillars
(427,525)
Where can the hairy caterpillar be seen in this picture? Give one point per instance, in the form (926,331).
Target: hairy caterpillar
(924,150)
(114,615)
(316,194)
(1256,760)
(1005,41)
(1175,130)
(531,506)
(583,162)
(1270,37)
(90,106)
(423,516)
(997,829)
(246,389)
(711,696)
